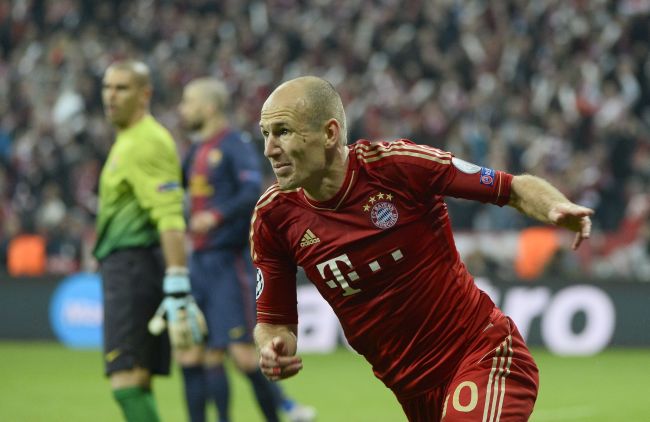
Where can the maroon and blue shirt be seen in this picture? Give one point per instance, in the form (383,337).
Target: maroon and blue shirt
(223,176)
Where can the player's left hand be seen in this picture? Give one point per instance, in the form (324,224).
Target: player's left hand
(573,217)
(185,321)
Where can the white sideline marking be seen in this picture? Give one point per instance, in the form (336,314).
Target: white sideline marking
(563,414)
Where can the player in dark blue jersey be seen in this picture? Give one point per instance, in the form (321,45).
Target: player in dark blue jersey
(224,181)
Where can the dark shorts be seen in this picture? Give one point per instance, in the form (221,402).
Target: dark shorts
(497,380)
(132,288)
(223,285)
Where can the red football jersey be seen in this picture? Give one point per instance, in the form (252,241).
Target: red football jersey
(381,252)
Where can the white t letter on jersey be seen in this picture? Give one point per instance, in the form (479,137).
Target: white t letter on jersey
(347,290)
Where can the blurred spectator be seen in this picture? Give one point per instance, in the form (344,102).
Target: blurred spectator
(556,88)
(627,253)
(52,210)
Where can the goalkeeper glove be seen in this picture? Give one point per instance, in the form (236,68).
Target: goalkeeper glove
(185,320)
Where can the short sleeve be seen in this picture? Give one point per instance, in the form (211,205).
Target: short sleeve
(155,175)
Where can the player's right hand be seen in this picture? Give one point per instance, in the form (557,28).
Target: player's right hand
(275,363)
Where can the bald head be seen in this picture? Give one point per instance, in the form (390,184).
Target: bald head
(140,71)
(315,98)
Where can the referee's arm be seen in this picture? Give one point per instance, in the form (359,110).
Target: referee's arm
(156,179)
(173,246)
(168,217)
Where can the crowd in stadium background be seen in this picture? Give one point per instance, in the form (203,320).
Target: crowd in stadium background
(559,89)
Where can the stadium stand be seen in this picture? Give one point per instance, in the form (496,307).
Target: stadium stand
(560,89)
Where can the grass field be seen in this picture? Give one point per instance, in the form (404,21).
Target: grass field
(46,382)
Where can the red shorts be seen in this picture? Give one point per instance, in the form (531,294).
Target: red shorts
(497,380)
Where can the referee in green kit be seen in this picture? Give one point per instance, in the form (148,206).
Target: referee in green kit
(141,245)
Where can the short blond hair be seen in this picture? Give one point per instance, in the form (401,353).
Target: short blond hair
(213,91)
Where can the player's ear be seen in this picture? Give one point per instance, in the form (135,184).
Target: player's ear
(146,93)
(332,133)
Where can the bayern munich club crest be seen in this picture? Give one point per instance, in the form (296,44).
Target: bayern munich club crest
(383,213)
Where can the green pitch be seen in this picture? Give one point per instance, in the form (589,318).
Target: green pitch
(46,382)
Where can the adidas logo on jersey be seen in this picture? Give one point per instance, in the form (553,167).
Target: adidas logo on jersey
(309,238)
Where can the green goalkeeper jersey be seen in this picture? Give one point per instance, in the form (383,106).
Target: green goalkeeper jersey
(140,191)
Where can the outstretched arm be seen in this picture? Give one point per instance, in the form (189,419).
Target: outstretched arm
(278,345)
(538,199)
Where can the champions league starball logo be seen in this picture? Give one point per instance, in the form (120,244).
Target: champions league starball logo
(260,284)
(383,213)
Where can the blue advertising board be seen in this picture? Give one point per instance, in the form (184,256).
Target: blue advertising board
(76,311)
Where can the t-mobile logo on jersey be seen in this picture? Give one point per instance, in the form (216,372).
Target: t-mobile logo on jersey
(332,264)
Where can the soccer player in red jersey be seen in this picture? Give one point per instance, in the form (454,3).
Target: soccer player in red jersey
(368,224)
